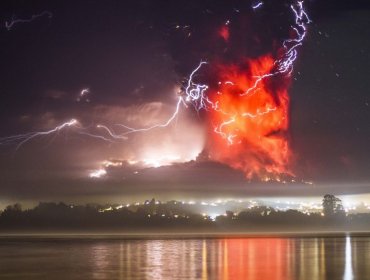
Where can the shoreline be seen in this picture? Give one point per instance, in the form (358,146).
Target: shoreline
(177,236)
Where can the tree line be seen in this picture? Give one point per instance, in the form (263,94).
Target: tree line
(172,216)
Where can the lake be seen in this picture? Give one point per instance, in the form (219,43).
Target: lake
(97,257)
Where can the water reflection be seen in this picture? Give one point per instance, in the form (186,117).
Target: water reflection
(245,258)
(254,259)
(225,259)
(348,273)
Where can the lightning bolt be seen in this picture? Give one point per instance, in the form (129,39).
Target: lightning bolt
(257,5)
(10,24)
(285,65)
(130,130)
(24,138)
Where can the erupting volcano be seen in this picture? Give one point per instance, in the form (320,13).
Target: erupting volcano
(246,100)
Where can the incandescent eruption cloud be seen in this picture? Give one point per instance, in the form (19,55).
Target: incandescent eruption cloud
(251,129)
(250,106)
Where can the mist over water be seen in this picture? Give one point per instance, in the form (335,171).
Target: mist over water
(220,258)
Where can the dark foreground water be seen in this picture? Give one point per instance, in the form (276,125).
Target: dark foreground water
(218,258)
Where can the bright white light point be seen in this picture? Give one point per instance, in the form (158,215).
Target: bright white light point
(72,122)
(213,216)
(257,5)
(109,163)
(84,91)
(98,173)
(160,161)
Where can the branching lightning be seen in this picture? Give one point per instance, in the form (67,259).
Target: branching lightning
(195,93)
(130,130)
(283,65)
(24,138)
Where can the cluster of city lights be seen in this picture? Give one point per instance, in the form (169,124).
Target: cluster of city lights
(212,209)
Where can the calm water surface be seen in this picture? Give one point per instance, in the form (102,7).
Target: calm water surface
(231,258)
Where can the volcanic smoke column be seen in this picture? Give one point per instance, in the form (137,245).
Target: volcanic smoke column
(250,115)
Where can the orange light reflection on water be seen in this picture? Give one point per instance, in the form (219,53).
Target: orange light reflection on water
(255,258)
(227,259)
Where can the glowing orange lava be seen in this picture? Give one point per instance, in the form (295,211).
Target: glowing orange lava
(253,123)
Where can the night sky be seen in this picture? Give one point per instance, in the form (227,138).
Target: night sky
(135,57)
